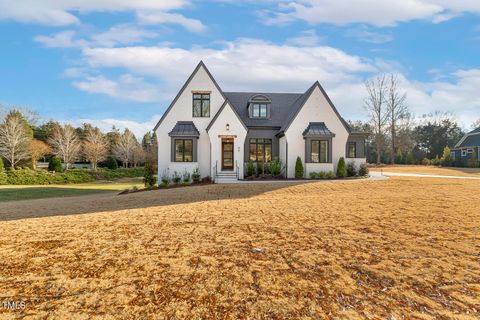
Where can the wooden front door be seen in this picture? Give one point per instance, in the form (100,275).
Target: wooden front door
(227,154)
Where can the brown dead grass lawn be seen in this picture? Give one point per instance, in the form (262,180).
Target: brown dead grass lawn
(402,248)
(463,172)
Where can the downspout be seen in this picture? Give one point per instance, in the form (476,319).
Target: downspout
(286,158)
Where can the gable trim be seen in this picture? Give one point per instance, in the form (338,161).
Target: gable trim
(200,64)
(309,93)
(220,111)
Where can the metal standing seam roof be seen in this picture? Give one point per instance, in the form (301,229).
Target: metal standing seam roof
(317,129)
(184,128)
(472,140)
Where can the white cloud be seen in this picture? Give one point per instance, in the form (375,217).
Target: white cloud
(62,12)
(365,35)
(308,38)
(379,13)
(159,17)
(122,34)
(241,64)
(126,87)
(64,39)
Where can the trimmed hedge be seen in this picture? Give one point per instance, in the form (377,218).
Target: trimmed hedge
(43,177)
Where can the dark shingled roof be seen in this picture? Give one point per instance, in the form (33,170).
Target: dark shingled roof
(184,128)
(475,131)
(317,129)
(471,141)
(282,107)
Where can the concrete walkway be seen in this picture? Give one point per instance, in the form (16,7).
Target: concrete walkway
(398,174)
(371,177)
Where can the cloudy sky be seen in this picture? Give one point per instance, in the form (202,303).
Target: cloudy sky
(120,62)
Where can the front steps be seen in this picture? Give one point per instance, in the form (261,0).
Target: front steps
(226,177)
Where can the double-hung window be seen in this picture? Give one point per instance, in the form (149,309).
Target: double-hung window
(259,110)
(201,105)
(319,151)
(183,150)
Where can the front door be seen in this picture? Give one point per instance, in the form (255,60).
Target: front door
(227,154)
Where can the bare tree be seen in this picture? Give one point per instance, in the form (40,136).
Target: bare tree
(139,155)
(95,146)
(476,124)
(38,149)
(65,144)
(377,111)
(125,147)
(14,138)
(397,111)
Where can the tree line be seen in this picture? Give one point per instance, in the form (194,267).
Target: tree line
(396,135)
(23,143)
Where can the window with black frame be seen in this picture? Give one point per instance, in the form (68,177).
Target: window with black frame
(260,150)
(183,150)
(259,110)
(352,150)
(319,151)
(201,104)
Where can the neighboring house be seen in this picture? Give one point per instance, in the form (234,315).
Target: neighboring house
(219,132)
(467,148)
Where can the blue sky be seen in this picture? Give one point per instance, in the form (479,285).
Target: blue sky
(121,62)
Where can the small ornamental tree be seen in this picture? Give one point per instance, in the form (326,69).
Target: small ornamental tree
(55,164)
(446,158)
(149,177)
(341,168)
(363,170)
(111,163)
(299,173)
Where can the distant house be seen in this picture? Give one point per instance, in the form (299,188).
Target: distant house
(468,147)
(219,132)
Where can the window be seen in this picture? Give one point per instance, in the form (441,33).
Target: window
(261,150)
(258,110)
(201,104)
(466,152)
(183,150)
(352,150)
(319,151)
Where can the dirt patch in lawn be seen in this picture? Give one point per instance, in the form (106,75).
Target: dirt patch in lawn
(393,249)
(441,171)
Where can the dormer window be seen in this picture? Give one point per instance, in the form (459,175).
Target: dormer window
(259,107)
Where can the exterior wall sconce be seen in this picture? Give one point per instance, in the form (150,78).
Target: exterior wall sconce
(227,127)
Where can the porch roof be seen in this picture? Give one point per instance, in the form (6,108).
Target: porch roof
(184,129)
(318,129)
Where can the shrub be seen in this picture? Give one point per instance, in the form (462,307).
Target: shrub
(330,175)
(473,163)
(207,179)
(351,169)
(186,177)
(426,162)
(165,178)
(276,167)
(103,173)
(446,159)
(321,175)
(55,164)
(363,170)
(313,175)
(341,168)
(399,157)
(196,175)
(3,175)
(250,168)
(149,178)
(409,158)
(435,161)
(111,163)
(176,177)
(299,169)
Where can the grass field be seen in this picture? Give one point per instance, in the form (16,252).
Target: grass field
(16,192)
(403,248)
(464,172)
